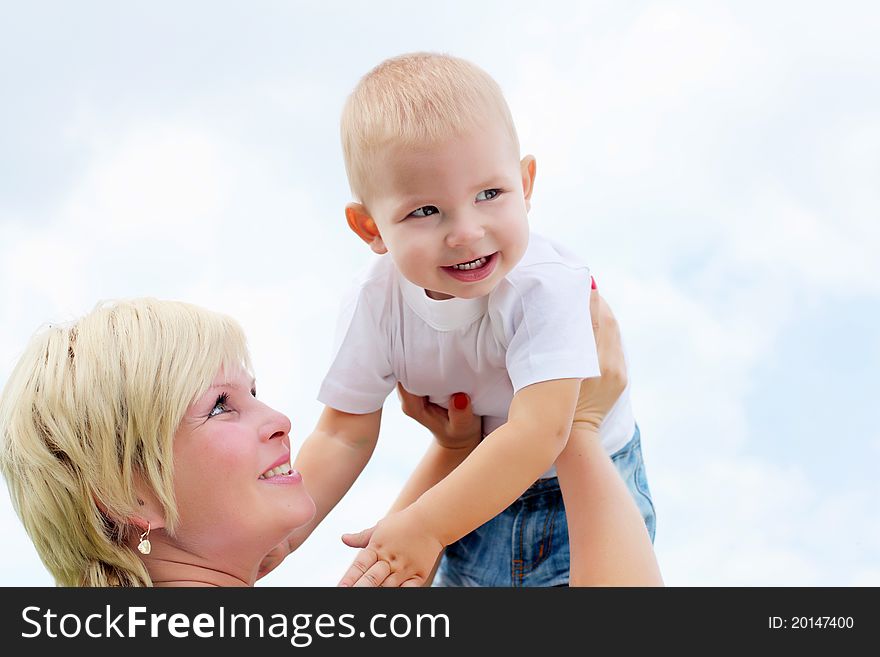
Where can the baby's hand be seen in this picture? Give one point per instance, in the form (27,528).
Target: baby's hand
(400,551)
(455,428)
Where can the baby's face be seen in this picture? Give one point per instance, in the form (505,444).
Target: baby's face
(453,215)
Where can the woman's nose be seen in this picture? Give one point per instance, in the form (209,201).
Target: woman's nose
(275,425)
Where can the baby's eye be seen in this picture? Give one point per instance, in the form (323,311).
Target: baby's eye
(488,194)
(220,406)
(424,211)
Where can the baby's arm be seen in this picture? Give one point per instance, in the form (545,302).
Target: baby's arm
(332,458)
(506,462)
(404,545)
(457,431)
(330,461)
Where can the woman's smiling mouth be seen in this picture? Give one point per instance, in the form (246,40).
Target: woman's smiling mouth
(281,472)
(282,475)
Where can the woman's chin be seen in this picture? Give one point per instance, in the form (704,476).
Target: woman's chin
(294,515)
(302,512)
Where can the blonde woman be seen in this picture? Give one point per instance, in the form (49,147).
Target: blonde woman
(137,453)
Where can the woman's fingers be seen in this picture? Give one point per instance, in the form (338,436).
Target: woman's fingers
(459,417)
(594,310)
(598,394)
(413,406)
(608,346)
(420,409)
(461,413)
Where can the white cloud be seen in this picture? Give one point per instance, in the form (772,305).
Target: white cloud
(156,190)
(801,251)
(869,576)
(610,103)
(735,523)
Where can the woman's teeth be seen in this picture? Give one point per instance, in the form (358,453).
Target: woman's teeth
(274,472)
(473,264)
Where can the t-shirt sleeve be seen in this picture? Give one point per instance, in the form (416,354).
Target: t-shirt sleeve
(550,331)
(360,375)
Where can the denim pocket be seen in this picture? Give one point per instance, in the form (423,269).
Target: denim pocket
(538,523)
(631,466)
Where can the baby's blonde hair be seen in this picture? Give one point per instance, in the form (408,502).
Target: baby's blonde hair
(90,406)
(416,99)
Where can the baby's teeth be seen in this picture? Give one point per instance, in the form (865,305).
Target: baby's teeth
(479,262)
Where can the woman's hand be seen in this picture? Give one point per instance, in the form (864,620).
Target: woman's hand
(598,394)
(608,542)
(455,428)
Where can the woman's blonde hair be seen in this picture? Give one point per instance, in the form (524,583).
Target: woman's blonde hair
(94,404)
(416,99)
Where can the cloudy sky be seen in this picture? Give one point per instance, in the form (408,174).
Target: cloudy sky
(716,163)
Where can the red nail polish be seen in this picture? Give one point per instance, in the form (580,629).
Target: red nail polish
(593,283)
(460,400)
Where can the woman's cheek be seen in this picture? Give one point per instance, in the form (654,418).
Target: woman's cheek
(233,456)
(226,456)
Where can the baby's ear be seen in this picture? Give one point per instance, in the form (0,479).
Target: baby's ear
(364,227)
(528,169)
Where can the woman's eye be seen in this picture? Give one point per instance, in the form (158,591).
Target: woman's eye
(424,211)
(488,194)
(220,406)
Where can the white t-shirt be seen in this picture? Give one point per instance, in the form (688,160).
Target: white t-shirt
(533,326)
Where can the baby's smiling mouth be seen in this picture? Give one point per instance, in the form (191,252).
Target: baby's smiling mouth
(473,271)
(478,263)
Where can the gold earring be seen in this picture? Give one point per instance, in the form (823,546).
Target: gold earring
(144,546)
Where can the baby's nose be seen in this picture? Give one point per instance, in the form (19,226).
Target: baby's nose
(465,230)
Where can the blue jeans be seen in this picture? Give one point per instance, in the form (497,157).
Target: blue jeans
(527,543)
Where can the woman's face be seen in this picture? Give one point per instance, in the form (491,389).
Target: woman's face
(235,489)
